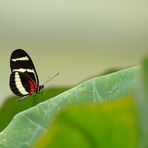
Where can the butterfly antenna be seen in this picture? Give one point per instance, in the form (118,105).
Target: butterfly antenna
(50,78)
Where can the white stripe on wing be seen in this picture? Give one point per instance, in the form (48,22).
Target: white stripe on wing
(23,70)
(19,84)
(21,59)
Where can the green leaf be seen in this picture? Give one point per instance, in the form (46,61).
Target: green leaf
(142,103)
(113,125)
(27,126)
(12,106)
(145,75)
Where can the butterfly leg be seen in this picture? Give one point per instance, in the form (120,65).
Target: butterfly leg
(43,94)
(22,98)
(34,100)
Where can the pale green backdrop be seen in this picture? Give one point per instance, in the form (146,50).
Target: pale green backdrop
(78,38)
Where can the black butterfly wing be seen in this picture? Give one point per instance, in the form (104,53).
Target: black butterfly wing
(21,84)
(20,61)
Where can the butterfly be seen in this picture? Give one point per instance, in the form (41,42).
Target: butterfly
(24,80)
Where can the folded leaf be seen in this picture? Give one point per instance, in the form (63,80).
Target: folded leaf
(27,126)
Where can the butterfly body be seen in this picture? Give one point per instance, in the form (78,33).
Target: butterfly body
(23,79)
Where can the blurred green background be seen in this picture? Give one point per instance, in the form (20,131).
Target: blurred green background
(77,38)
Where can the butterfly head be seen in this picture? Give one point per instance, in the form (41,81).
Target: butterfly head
(39,89)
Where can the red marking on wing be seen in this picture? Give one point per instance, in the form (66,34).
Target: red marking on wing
(32,87)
